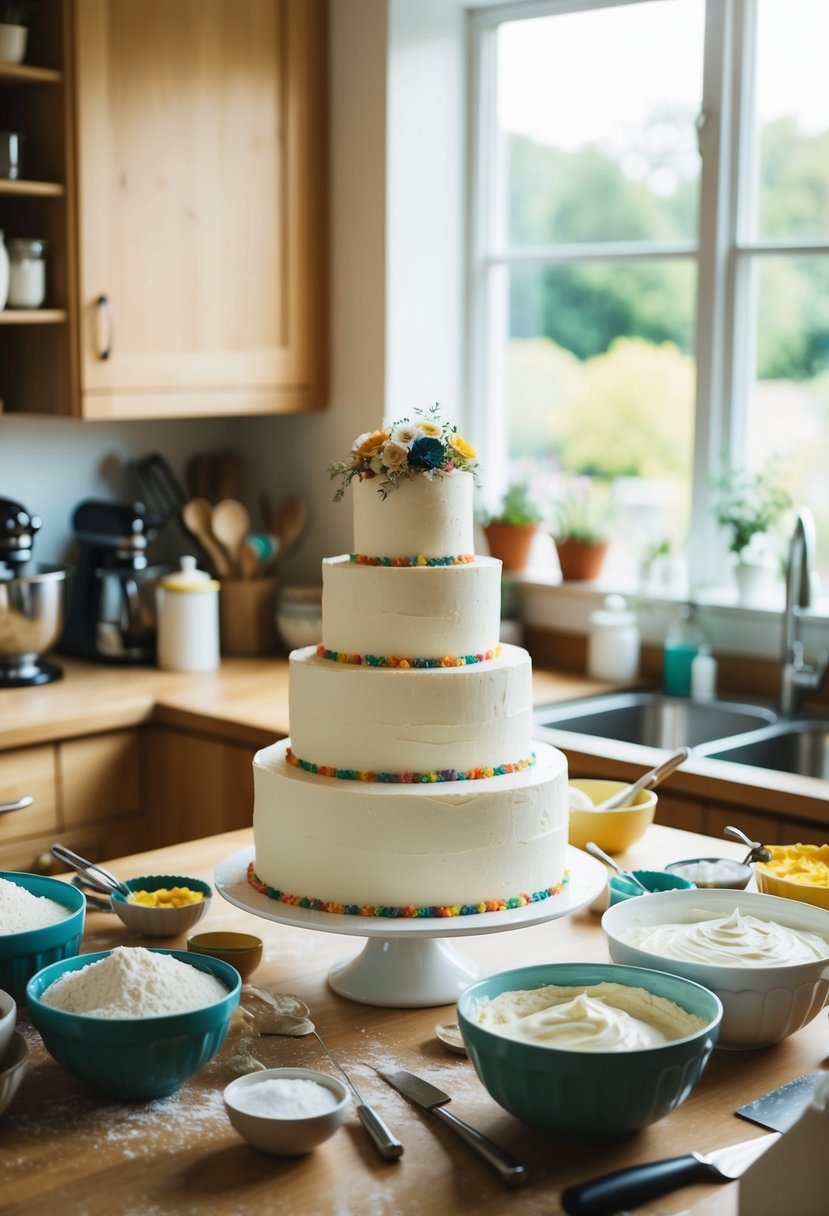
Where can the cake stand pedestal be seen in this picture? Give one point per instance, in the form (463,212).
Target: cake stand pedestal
(408,963)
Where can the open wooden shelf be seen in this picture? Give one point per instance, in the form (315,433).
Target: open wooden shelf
(22,73)
(31,189)
(32,316)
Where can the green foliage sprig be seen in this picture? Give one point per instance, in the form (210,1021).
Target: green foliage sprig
(750,502)
(582,515)
(518,506)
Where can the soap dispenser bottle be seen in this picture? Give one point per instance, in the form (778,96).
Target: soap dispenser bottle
(682,644)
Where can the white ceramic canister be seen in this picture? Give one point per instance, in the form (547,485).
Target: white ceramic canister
(613,641)
(187,608)
(27,272)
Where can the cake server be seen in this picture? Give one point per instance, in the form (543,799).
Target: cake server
(429,1098)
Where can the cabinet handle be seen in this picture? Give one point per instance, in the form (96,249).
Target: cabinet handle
(16,806)
(105,326)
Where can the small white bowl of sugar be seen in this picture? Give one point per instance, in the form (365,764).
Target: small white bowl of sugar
(286,1111)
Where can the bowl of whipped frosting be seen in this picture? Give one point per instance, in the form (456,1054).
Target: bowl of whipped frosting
(766,958)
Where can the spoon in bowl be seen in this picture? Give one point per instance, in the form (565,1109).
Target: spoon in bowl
(647,781)
(593,848)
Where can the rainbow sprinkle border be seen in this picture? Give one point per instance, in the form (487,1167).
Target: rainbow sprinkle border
(380,660)
(447,774)
(410,911)
(459,559)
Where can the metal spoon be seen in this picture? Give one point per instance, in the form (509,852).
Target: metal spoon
(290,1017)
(647,781)
(96,875)
(593,848)
(756,850)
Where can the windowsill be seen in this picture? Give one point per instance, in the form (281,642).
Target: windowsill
(731,627)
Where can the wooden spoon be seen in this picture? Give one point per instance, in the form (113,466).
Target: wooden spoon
(289,520)
(197,517)
(230,523)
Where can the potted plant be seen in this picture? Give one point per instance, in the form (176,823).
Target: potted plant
(511,532)
(14,32)
(581,533)
(750,504)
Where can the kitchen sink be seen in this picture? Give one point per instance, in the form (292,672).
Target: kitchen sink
(789,746)
(652,719)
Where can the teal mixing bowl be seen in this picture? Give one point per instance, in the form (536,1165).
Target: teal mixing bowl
(585,1096)
(655,880)
(144,1057)
(24,954)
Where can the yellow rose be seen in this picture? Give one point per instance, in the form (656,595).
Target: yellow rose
(462,448)
(432,430)
(370,443)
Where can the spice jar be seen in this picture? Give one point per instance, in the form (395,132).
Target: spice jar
(27,272)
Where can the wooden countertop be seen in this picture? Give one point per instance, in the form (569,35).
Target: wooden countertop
(65,1146)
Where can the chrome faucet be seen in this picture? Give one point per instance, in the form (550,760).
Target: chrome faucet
(796,675)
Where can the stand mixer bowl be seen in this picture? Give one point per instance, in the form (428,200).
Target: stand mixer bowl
(31,618)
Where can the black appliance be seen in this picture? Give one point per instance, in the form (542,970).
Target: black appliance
(111,612)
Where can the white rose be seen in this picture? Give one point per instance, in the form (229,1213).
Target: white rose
(395,455)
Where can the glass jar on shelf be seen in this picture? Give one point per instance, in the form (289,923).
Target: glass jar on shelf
(4,272)
(27,272)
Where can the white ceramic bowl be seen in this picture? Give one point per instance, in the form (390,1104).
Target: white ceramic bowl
(8,1020)
(12,1069)
(761,1005)
(162,921)
(286,1137)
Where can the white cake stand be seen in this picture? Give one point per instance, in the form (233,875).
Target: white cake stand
(407,963)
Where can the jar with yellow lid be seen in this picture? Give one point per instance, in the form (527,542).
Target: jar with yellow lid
(187,607)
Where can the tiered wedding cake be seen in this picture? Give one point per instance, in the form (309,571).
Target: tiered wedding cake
(410,785)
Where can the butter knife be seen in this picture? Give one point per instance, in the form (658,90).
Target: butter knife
(430,1098)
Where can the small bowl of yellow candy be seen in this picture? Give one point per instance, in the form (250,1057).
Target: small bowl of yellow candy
(796,871)
(162,905)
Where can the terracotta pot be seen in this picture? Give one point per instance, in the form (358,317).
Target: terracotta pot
(580,560)
(511,543)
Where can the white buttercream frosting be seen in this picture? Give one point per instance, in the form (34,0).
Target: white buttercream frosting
(729,941)
(429,515)
(452,843)
(601,1017)
(421,720)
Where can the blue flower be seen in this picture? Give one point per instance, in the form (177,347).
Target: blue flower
(426,453)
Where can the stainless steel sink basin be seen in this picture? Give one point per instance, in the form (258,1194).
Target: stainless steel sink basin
(653,720)
(789,746)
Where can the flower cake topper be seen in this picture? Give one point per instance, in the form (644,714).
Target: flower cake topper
(424,444)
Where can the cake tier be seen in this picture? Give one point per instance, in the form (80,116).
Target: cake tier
(423,612)
(364,844)
(422,514)
(384,720)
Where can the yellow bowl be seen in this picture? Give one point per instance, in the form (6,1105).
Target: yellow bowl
(776,884)
(242,950)
(613,831)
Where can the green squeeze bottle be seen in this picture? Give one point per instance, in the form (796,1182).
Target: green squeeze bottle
(682,643)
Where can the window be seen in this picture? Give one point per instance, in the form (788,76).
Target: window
(650,258)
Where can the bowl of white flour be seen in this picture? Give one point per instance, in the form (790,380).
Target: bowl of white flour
(41,921)
(134,1022)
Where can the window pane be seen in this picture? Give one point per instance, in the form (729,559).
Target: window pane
(789,408)
(596,126)
(599,381)
(792,118)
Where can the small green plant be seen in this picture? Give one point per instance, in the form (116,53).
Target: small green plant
(583,514)
(750,503)
(518,506)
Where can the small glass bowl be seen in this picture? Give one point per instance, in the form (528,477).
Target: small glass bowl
(714,872)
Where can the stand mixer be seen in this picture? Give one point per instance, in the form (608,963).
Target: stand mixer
(111,613)
(31,602)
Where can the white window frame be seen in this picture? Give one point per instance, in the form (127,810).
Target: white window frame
(726,254)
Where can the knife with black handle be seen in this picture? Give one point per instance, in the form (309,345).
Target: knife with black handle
(637,1184)
(428,1097)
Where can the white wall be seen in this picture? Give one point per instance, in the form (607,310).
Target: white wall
(395,293)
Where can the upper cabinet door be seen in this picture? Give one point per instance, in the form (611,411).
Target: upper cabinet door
(201,154)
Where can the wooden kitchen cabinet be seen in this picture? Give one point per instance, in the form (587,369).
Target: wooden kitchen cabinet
(187,247)
(197,784)
(87,793)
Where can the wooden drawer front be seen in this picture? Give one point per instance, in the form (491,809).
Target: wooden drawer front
(101,777)
(28,772)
